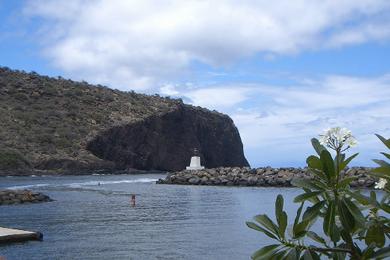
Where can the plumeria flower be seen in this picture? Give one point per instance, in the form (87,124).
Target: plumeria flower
(337,137)
(380,184)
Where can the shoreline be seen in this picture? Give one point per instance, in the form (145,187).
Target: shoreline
(258,177)
(222,176)
(43,173)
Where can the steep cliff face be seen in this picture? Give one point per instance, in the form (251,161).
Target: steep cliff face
(66,126)
(166,142)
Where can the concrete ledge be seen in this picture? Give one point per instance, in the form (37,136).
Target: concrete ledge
(9,235)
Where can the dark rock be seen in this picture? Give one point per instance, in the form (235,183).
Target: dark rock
(166,142)
(195,180)
(22,196)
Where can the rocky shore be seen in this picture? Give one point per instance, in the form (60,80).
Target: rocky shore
(8,197)
(261,177)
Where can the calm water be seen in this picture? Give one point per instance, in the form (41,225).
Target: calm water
(91,221)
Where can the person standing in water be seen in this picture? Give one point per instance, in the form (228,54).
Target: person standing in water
(132,200)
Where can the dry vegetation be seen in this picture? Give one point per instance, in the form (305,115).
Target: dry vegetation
(43,118)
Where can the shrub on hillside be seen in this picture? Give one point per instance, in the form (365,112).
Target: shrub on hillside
(11,160)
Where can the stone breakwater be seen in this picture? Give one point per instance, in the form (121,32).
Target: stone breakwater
(8,197)
(261,177)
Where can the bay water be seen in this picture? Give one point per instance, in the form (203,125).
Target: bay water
(91,217)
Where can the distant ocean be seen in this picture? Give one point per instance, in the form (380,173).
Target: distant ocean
(91,218)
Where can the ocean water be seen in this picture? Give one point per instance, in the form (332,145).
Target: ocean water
(92,221)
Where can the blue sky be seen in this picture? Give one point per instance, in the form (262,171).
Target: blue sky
(283,70)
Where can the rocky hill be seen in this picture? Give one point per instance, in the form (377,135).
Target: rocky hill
(62,126)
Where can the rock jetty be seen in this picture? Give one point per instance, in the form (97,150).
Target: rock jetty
(8,197)
(261,177)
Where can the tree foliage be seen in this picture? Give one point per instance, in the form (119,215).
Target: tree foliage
(354,225)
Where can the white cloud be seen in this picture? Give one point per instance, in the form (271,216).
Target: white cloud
(219,98)
(285,126)
(136,44)
(169,90)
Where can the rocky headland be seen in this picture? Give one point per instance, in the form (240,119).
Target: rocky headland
(8,197)
(261,177)
(58,126)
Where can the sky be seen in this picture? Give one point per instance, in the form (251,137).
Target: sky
(282,70)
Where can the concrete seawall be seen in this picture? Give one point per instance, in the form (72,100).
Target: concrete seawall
(261,177)
(9,235)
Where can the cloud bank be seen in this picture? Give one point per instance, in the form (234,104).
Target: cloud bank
(137,44)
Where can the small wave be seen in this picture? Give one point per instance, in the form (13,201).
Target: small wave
(80,184)
(96,183)
(21,187)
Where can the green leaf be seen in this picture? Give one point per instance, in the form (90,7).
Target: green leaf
(384,140)
(346,181)
(386,154)
(367,252)
(329,220)
(347,161)
(335,234)
(316,237)
(314,162)
(318,173)
(319,183)
(382,163)
(280,255)
(278,205)
(381,172)
(317,146)
(375,234)
(281,215)
(328,164)
(305,183)
(385,207)
(310,255)
(258,228)
(299,230)
(292,254)
(264,252)
(297,217)
(346,218)
(299,227)
(382,253)
(267,223)
(314,211)
(357,214)
(359,197)
(373,196)
(306,196)
(282,222)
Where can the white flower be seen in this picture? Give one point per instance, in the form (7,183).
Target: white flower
(351,142)
(380,184)
(336,137)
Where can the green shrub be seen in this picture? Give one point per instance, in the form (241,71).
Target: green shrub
(10,160)
(354,225)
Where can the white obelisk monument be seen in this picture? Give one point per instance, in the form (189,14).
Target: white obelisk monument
(195,162)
